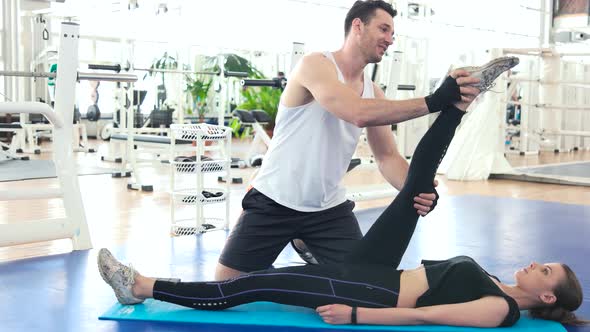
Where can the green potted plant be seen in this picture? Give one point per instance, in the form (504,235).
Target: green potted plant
(198,87)
(262,98)
(255,98)
(163,63)
(231,62)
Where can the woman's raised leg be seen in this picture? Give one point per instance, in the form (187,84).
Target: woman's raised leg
(388,238)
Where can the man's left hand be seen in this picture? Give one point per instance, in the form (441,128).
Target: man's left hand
(424,203)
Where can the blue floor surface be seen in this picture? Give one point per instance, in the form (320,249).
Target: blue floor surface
(65,292)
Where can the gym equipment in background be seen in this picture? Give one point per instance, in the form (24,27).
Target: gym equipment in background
(256,120)
(190,191)
(73,226)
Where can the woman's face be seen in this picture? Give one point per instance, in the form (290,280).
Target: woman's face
(540,279)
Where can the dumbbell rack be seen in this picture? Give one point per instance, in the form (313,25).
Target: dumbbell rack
(189,194)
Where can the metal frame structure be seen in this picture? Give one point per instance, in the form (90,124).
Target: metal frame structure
(140,137)
(73,226)
(545,101)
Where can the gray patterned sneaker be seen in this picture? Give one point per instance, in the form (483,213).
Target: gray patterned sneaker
(303,252)
(490,71)
(120,277)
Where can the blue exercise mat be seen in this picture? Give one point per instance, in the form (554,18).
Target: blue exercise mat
(271,314)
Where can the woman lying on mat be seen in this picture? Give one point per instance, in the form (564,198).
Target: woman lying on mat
(368,288)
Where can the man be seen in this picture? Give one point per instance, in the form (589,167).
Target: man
(329,99)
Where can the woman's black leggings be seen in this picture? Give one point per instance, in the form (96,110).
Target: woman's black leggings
(367,278)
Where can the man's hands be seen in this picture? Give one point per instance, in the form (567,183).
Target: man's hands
(335,313)
(468,92)
(424,203)
(455,90)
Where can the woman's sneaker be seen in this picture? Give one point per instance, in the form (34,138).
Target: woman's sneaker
(120,277)
(490,71)
(303,252)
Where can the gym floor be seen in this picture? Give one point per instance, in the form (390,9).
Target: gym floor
(504,224)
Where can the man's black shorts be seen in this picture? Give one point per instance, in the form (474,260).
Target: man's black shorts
(266,227)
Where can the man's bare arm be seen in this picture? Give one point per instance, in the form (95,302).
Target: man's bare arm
(318,75)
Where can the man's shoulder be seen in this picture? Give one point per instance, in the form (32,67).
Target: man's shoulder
(316,55)
(314,59)
(313,64)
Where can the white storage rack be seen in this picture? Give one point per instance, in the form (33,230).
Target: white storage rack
(188,183)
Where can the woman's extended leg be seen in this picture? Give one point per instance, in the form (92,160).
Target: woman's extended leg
(387,239)
(306,286)
(311,286)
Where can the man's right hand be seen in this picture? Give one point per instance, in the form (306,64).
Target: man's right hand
(455,90)
(468,92)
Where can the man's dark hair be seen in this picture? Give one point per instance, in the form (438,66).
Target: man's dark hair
(365,11)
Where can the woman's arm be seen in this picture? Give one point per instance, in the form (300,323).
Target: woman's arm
(489,311)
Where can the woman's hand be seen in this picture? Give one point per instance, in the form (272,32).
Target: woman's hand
(335,313)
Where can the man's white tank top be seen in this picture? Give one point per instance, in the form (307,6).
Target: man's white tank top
(309,154)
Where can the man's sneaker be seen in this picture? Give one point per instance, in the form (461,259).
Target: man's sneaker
(490,71)
(303,252)
(120,277)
